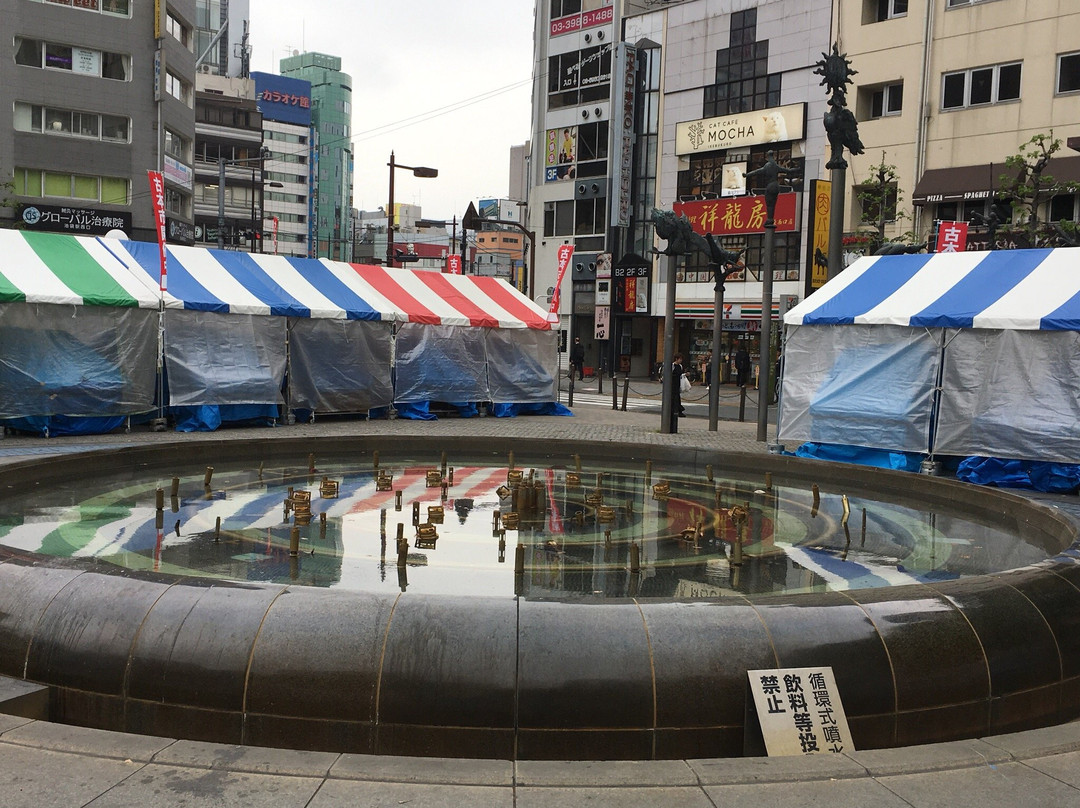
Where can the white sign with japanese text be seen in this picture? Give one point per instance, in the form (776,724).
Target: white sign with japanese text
(800,711)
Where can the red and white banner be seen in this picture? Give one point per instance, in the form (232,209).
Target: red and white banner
(157,195)
(952,237)
(275,234)
(565,251)
(453,264)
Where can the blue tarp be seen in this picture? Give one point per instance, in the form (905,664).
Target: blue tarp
(1054,478)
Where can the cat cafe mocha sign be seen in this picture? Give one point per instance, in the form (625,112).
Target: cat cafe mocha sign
(775,125)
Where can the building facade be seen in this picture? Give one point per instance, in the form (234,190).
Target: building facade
(288,210)
(947,90)
(94,94)
(331,116)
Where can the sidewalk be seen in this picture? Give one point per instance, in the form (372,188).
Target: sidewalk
(46,765)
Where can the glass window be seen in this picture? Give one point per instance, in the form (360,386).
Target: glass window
(954,90)
(57,56)
(114,127)
(28,52)
(57,120)
(1068,73)
(57,184)
(114,66)
(114,191)
(85,124)
(982,85)
(86,188)
(1008,82)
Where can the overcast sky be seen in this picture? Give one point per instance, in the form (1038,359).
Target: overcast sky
(441,84)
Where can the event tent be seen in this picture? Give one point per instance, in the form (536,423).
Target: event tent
(960,354)
(239,329)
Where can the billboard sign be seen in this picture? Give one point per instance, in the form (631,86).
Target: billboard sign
(283,99)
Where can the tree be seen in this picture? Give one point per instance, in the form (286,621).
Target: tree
(1028,187)
(879,201)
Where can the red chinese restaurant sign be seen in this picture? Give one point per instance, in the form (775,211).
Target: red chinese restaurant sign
(736,215)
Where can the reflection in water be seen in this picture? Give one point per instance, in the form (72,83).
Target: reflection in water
(583,532)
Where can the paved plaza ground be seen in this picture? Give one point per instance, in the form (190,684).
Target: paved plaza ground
(45,765)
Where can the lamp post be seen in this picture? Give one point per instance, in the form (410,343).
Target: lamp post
(222,162)
(418,171)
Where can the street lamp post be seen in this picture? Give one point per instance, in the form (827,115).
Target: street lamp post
(418,171)
(222,162)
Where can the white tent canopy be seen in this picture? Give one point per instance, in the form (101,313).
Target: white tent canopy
(974,353)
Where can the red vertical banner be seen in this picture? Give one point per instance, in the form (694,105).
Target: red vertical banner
(952,237)
(157,195)
(453,264)
(565,251)
(275,234)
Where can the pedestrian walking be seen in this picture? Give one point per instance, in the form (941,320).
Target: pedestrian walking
(577,359)
(742,366)
(678,381)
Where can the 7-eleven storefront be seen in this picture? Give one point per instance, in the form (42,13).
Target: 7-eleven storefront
(741,328)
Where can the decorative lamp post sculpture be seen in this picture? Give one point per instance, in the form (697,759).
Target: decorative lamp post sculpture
(842,130)
(770,173)
(722,263)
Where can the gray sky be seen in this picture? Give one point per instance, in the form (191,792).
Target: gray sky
(441,84)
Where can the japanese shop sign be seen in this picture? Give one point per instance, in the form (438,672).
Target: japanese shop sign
(283,98)
(85,221)
(800,712)
(736,215)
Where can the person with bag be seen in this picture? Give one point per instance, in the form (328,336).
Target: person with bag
(679,385)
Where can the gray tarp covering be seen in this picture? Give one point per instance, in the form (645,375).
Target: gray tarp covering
(521,364)
(76,360)
(1011,394)
(340,365)
(441,363)
(860,385)
(221,359)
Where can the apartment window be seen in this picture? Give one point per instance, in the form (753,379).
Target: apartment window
(85,61)
(71,123)
(120,7)
(33,182)
(1063,208)
(881,10)
(1068,75)
(175,202)
(957,3)
(178,88)
(981,85)
(180,32)
(177,146)
(887,100)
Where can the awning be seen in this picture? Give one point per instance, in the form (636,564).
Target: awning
(84,270)
(980,182)
(1009,289)
(71,270)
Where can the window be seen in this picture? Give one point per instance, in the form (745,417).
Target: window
(177,146)
(886,100)
(559,218)
(1068,76)
(579,77)
(72,123)
(560,8)
(178,88)
(956,3)
(180,32)
(982,85)
(56,56)
(881,10)
(120,7)
(33,182)
(1063,208)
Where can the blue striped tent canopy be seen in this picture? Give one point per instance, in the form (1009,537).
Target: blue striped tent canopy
(1006,289)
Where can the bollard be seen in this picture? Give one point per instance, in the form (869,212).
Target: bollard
(768,481)
(159,519)
(159,499)
(648,472)
(175,487)
(570,392)
(607,539)
(174,504)
(577,463)
(442,465)
(614,396)
(217,529)
(625,390)
(635,558)
(294,541)
(397,500)
(742,404)
(519,559)
(510,463)
(375,458)
(311,463)
(817,500)
(402,552)
(708,472)
(322,525)
(207,476)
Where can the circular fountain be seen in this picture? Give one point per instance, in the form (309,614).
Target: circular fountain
(523,601)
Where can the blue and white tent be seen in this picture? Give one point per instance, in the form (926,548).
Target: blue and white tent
(973,353)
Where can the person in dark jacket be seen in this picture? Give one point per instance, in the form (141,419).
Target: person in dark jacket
(742,366)
(577,359)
